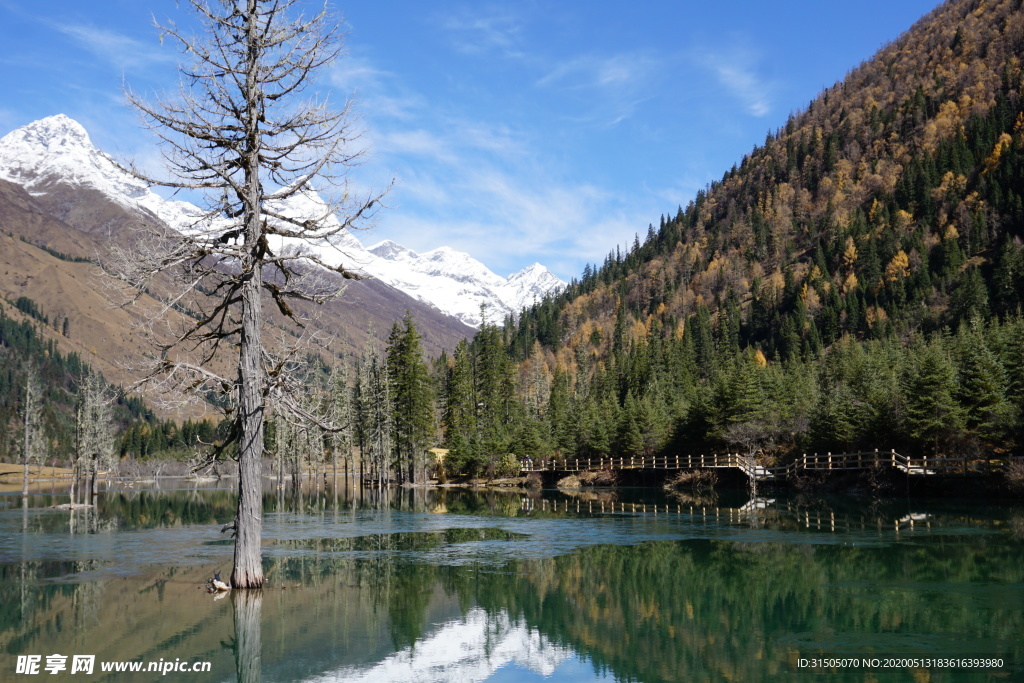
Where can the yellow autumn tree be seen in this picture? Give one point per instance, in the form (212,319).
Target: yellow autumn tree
(898,268)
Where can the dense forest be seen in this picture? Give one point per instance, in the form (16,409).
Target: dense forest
(855,281)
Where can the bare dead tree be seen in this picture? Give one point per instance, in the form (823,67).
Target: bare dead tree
(94,432)
(33,439)
(243,132)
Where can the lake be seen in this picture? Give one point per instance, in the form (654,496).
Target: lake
(456,585)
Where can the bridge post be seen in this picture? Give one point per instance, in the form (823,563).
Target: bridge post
(876,458)
(830,459)
(894,457)
(702,461)
(805,461)
(677,461)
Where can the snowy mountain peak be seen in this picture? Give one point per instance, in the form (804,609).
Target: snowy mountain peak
(533,272)
(531,284)
(54,132)
(51,148)
(392,250)
(57,149)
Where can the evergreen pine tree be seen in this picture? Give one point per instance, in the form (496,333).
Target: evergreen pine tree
(982,385)
(411,397)
(933,414)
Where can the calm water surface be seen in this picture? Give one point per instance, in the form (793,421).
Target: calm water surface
(450,585)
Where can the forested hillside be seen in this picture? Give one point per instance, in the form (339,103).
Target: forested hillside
(58,379)
(855,281)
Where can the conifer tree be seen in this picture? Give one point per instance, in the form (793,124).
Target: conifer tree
(559,414)
(495,392)
(832,424)
(982,384)
(411,397)
(631,419)
(458,412)
(933,414)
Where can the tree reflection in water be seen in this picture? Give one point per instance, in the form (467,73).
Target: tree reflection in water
(248,609)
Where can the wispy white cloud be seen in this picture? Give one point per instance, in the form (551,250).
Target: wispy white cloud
(415,142)
(491,29)
(612,86)
(505,216)
(748,87)
(741,72)
(598,71)
(117,49)
(374,89)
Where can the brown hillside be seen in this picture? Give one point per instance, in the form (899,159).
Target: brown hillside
(46,236)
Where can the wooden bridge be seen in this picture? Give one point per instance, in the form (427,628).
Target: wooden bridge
(817,462)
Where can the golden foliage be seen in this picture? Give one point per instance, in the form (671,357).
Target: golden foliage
(898,268)
(850,283)
(850,253)
(992,162)
(904,221)
(948,121)
(875,315)
(811,300)
(951,183)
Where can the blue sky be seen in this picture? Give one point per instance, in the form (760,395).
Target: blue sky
(516,131)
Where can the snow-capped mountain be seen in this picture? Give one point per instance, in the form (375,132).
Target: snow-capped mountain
(460,281)
(57,149)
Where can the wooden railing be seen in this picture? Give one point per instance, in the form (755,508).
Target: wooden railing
(861,460)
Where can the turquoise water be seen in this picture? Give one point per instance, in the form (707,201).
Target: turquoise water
(451,585)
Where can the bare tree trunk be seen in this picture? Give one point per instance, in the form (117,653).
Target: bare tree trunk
(93,492)
(248,569)
(26,449)
(74,478)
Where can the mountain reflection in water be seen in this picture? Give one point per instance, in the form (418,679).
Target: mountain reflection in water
(446,585)
(470,648)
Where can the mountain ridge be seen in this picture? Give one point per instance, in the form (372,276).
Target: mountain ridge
(58,150)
